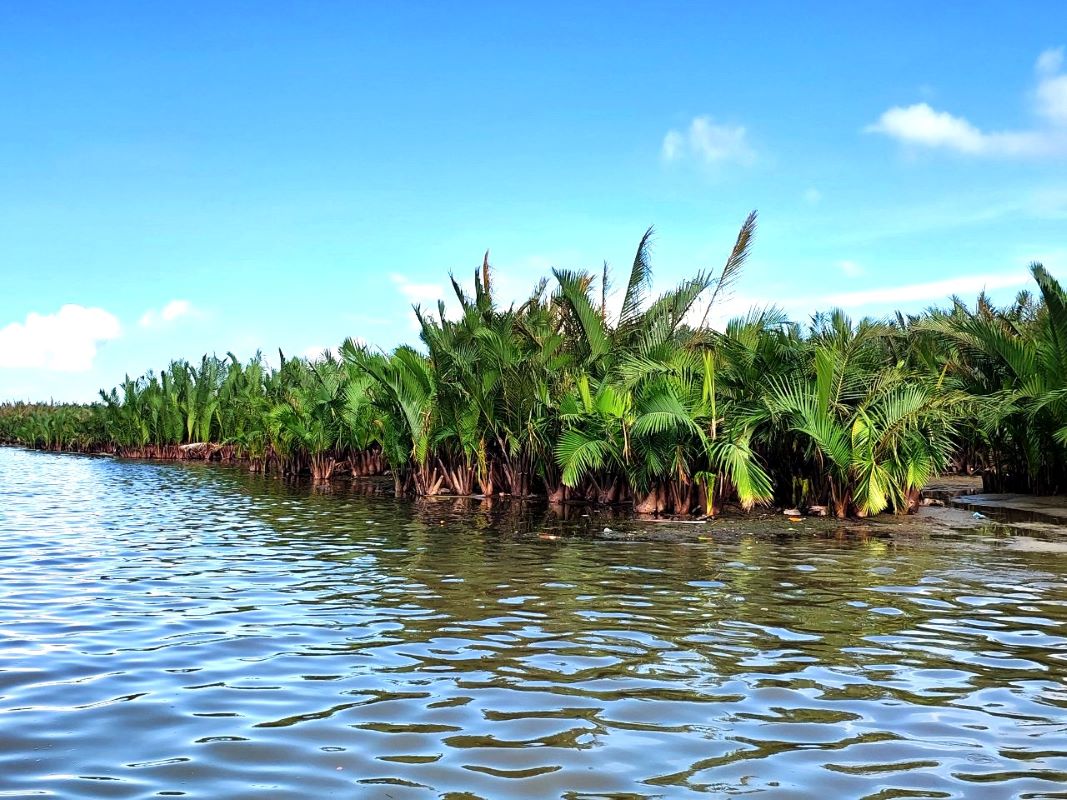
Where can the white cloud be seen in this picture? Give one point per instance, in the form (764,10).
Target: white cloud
(1053,259)
(175,309)
(424,293)
(907,297)
(511,280)
(708,143)
(921,126)
(1051,91)
(65,341)
(812,196)
(850,269)
(1050,61)
(924,292)
(731,307)
(1049,202)
(953,211)
(315,352)
(368,319)
(673,145)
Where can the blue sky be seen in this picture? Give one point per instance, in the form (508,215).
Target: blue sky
(213,177)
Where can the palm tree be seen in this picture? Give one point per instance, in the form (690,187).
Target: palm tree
(1015,360)
(643,403)
(309,420)
(654,420)
(877,433)
(405,402)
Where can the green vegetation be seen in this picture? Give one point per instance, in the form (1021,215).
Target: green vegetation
(648,406)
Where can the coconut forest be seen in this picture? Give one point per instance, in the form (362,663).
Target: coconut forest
(642,403)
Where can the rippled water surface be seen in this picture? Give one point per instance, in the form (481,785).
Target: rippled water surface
(192,631)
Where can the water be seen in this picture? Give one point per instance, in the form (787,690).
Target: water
(191,631)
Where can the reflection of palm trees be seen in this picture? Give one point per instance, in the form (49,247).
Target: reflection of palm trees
(475,576)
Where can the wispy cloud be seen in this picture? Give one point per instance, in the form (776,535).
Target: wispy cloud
(368,319)
(920,126)
(709,143)
(1051,91)
(1054,259)
(65,341)
(511,283)
(174,310)
(422,294)
(955,211)
(317,351)
(931,291)
(850,269)
(415,292)
(812,196)
(909,297)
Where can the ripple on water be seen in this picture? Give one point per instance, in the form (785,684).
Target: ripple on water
(182,630)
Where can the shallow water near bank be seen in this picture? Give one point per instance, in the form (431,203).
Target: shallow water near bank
(192,631)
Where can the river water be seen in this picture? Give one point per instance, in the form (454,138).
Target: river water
(191,631)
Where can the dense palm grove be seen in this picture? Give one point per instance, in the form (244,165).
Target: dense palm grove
(646,405)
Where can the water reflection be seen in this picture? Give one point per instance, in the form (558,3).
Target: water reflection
(194,631)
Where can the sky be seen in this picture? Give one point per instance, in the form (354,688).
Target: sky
(178,179)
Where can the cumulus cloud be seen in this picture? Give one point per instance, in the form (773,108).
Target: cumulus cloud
(175,309)
(65,341)
(922,126)
(708,143)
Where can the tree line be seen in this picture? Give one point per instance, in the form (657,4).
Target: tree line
(646,404)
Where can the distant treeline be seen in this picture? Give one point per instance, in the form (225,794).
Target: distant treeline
(643,404)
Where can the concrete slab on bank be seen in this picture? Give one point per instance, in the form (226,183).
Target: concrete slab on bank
(1052,508)
(965,492)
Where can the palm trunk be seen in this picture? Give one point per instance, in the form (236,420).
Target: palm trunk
(428,480)
(322,466)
